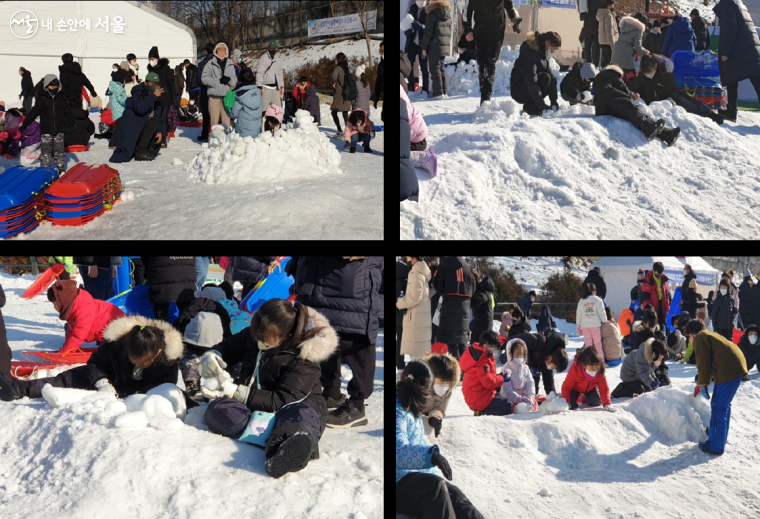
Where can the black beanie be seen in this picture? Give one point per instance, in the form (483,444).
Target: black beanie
(119,76)
(130,57)
(153,53)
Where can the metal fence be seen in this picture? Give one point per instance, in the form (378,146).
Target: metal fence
(35,265)
(557,309)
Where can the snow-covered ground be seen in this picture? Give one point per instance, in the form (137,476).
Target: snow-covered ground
(532,271)
(571,175)
(55,463)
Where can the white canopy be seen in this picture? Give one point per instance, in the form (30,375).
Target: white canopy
(95,49)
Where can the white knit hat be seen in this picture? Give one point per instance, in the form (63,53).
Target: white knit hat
(205,330)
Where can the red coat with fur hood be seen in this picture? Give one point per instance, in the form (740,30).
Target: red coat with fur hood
(480,378)
(577,380)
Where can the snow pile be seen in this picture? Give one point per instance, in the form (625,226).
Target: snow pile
(174,396)
(554,405)
(63,396)
(297,151)
(674,413)
(463,79)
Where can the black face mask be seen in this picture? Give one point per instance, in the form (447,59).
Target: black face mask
(53,92)
(272,53)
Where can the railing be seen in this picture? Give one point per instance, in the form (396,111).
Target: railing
(35,265)
(534,314)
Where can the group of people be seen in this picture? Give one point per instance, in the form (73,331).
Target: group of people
(287,362)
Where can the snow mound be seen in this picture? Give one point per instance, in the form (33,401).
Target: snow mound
(522,408)
(554,405)
(674,413)
(129,420)
(174,395)
(165,423)
(497,109)
(297,151)
(63,396)
(178,162)
(151,405)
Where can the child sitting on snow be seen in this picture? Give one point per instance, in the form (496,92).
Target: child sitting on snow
(480,378)
(273,118)
(201,333)
(518,385)
(586,377)
(446,372)
(576,86)
(612,97)
(138,355)
(359,128)
(676,340)
(15,143)
(748,344)
(638,371)
(421,156)
(87,318)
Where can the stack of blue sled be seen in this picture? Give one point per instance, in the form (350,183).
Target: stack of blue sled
(697,76)
(22,205)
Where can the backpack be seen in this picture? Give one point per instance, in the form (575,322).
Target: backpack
(349,88)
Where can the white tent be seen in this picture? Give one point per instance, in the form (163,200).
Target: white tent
(619,273)
(95,49)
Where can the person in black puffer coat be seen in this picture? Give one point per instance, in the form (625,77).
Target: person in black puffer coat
(410,186)
(380,83)
(166,75)
(83,129)
(612,97)
(750,348)
(532,79)
(545,320)
(27,89)
(249,270)
(287,383)
(170,279)
(481,308)
(746,302)
(435,44)
(412,49)
(402,273)
(595,277)
(201,304)
(689,274)
(456,284)
(73,80)
(5,350)
(576,86)
(723,312)
(347,291)
(700,31)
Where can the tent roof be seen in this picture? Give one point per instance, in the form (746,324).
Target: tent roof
(698,264)
(613,263)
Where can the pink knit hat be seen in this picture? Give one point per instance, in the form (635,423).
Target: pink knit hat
(275,111)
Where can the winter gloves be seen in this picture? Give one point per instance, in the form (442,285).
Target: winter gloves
(703,390)
(656,384)
(439,461)
(212,364)
(435,423)
(224,80)
(103,385)
(585,96)
(609,408)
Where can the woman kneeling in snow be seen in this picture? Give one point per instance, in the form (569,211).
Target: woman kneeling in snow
(420,491)
(638,372)
(138,355)
(278,388)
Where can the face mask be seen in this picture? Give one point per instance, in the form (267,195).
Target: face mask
(153,62)
(752,339)
(265,346)
(192,103)
(548,53)
(421,4)
(519,361)
(151,89)
(592,373)
(650,76)
(115,70)
(440,389)
(272,53)
(53,91)
(723,291)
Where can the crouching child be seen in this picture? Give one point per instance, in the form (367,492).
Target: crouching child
(481,380)
(518,384)
(586,378)
(638,371)
(359,129)
(576,86)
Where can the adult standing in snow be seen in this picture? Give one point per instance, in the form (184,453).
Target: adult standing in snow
(488,33)
(680,36)
(435,43)
(723,311)
(191,79)
(591,50)
(629,44)
(204,93)
(339,77)
(700,31)
(746,302)
(134,66)
(413,37)
(545,320)
(420,491)
(346,291)
(27,89)
(525,303)
(269,77)
(739,51)
(688,275)
(532,78)
(380,83)
(689,300)
(248,270)
(402,274)
(140,129)
(416,301)
(410,187)
(595,277)
(166,81)
(73,80)
(5,350)
(656,291)
(612,341)
(130,80)
(179,82)
(608,31)
(219,77)
(171,279)
(720,360)
(654,38)
(98,273)
(237,60)
(482,307)
(456,284)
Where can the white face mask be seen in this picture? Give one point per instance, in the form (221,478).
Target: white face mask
(519,361)
(154,62)
(548,53)
(752,339)
(421,4)
(440,389)
(591,373)
(650,76)
(723,291)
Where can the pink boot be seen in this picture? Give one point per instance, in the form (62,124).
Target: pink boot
(425,160)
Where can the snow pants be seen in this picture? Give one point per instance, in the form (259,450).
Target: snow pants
(605,55)
(488,42)
(77,378)
(591,49)
(52,147)
(593,337)
(437,74)
(229,418)
(360,356)
(414,52)
(629,389)
(101,287)
(593,398)
(428,496)
(499,406)
(547,83)
(733,94)
(694,106)
(720,419)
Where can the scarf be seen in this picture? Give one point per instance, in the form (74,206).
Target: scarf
(658,284)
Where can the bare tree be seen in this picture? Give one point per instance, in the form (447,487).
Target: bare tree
(364,8)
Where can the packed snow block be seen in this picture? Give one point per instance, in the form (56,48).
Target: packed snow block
(115,408)
(61,396)
(673,413)
(174,395)
(297,151)
(129,420)
(134,402)
(522,408)
(156,405)
(165,423)
(554,405)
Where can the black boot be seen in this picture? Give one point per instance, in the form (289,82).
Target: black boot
(729,116)
(670,135)
(292,455)
(350,414)
(652,129)
(10,388)
(717,118)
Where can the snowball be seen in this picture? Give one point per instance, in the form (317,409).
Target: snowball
(101,417)
(131,420)
(114,408)
(134,402)
(156,405)
(674,413)
(166,423)
(178,162)
(544,492)
(174,395)
(551,396)
(522,408)
(406,23)
(557,405)
(61,396)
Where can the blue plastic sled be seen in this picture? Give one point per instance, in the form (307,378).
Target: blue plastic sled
(275,286)
(18,185)
(136,302)
(675,308)
(613,363)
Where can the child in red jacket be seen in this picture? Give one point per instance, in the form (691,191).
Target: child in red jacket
(586,377)
(87,318)
(481,380)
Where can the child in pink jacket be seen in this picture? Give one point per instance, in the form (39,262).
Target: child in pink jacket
(359,129)
(273,118)
(416,123)
(519,386)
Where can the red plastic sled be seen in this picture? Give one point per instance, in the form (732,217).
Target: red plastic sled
(21,369)
(190,125)
(43,281)
(440,348)
(80,356)
(77,147)
(737,336)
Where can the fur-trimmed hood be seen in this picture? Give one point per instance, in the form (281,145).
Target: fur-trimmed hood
(532,41)
(162,62)
(321,346)
(218,46)
(616,69)
(647,350)
(172,338)
(628,24)
(454,382)
(432,6)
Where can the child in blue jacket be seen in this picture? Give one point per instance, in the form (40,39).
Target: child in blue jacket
(420,491)
(247,107)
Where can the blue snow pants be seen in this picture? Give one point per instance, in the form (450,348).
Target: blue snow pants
(722,396)
(499,406)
